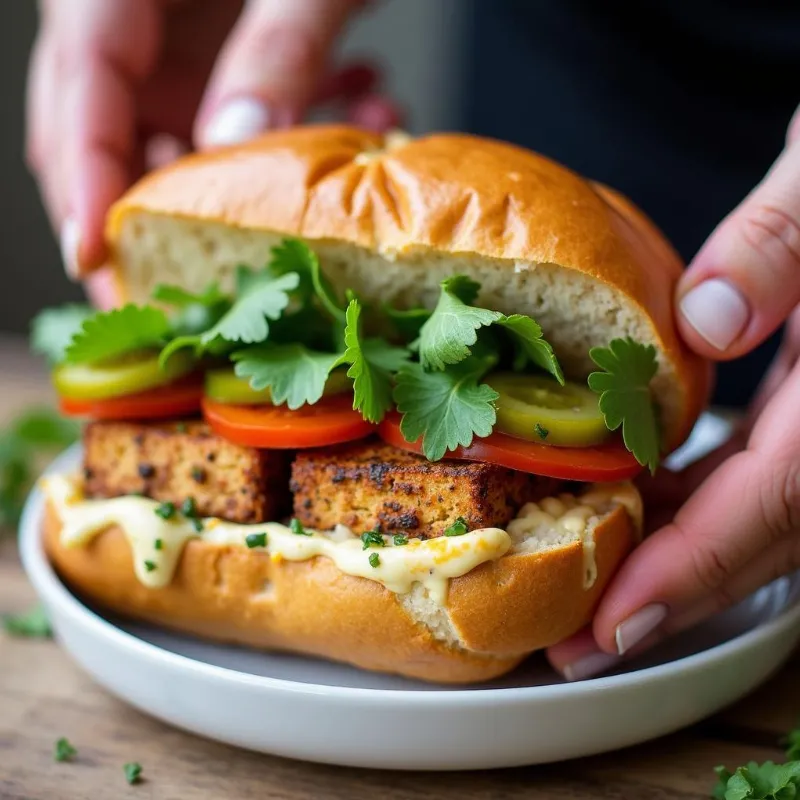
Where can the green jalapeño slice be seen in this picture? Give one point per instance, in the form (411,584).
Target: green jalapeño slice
(223,386)
(130,374)
(540,410)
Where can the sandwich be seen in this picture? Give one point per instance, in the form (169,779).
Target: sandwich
(376,400)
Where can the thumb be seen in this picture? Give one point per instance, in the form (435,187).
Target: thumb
(745,280)
(270,68)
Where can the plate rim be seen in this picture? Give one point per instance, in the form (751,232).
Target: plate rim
(52,590)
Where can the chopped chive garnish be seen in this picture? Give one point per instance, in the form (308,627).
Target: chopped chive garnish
(458,528)
(158,544)
(400,539)
(371,538)
(166,510)
(149,565)
(297,528)
(133,772)
(64,750)
(256,540)
(189,507)
(374,560)
(197,524)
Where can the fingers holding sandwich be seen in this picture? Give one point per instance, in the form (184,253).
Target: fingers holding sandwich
(735,533)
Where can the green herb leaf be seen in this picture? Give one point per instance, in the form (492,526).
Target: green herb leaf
(447,335)
(64,751)
(165,510)
(256,540)
(458,528)
(792,744)
(35,433)
(767,781)
(400,540)
(197,524)
(541,431)
(158,544)
(260,297)
(180,298)
(371,364)
(446,408)
(294,255)
(52,329)
(527,337)
(374,560)
(133,772)
(33,624)
(294,374)
(372,539)
(110,334)
(297,528)
(189,507)
(625,398)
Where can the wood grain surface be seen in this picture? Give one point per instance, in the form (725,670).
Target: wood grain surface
(43,696)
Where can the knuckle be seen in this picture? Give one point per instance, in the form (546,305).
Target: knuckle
(780,499)
(775,235)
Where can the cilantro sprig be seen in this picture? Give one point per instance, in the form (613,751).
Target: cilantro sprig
(753,781)
(448,335)
(53,329)
(625,398)
(32,624)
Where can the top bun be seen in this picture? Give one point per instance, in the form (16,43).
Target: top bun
(391,216)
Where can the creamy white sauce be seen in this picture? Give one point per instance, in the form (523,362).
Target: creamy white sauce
(157,543)
(430,562)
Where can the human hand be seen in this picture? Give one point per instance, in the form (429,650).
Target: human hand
(737,523)
(119,86)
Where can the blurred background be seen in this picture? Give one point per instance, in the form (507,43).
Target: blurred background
(683,106)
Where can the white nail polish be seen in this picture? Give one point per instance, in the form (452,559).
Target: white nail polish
(717,311)
(70,241)
(589,666)
(237,121)
(631,631)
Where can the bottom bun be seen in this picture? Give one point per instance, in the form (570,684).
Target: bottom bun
(495,615)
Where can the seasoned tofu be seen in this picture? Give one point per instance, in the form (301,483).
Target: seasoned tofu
(371,485)
(170,461)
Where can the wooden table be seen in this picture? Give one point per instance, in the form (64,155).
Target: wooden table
(43,696)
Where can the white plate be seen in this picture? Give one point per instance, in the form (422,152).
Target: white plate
(312,710)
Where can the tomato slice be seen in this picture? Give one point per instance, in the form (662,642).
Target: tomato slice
(330,421)
(178,399)
(609,461)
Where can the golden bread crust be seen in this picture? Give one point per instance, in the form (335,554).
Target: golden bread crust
(235,595)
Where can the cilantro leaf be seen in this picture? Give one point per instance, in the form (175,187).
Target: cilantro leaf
(53,328)
(33,624)
(624,389)
(447,334)
(109,334)
(447,408)
(371,365)
(526,334)
(260,297)
(180,298)
(35,433)
(792,744)
(133,772)
(294,374)
(64,751)
(767,781)
(294,255)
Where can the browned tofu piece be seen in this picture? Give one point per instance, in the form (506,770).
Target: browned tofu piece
(371,485)
(170,461)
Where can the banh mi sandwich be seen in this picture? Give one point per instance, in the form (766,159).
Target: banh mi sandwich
(375,400)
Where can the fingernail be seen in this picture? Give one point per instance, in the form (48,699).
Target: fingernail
(70,240)
(638,625)
(237,121)
(717,311)
(589,666)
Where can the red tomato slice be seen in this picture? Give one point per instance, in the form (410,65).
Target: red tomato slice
(330,421)
(179,399)
(610,461)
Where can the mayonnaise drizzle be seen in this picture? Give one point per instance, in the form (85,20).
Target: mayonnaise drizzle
(430,562)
